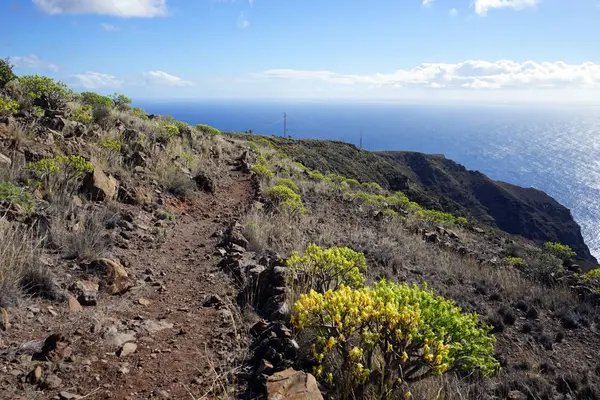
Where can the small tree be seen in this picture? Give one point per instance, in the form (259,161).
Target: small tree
(46,92)
(6,72)
(96,100)
(120,101)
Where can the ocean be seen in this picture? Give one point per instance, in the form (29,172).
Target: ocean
(554,149)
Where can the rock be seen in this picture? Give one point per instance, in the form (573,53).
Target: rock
(204,182)
(98,186)
(144,302)
(68,396)
(86,292)
(73,304)
(430,237)
(259,328)
(35,376)
(4,321)
(115,279)
(5,161)
(293,385)
(119,339)
(152,326)
(51,382)
(265,367)
(213,300)
(127,349)
(516,395)
(138,159)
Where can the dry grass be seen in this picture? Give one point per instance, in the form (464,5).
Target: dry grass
(20,270)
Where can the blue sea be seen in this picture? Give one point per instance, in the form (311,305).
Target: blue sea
(554,149)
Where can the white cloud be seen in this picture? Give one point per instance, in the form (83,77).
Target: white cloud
(110,28)
(96,80)
(453,12)
(32,61)
(473,74)
(427,3)
(242,22)
(162,78)
(482,6)
(117,8)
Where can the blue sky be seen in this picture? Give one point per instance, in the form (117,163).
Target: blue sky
(528,50)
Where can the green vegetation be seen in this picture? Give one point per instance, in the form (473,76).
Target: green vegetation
(8,106)
(170,131)
(120,101)
(288,183)
(95,100)
(285,199)
(559,250)
(182,127)
(110,144)
(16,195)
(165,215)
(518,261)
(592,279)
(6,72)
(59,171)
(55,93)
(139,112)
(262,171)
(327,269)
(83,114)
(208,130)
(377,340)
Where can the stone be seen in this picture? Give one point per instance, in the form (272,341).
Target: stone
(69,396)
(127,349)
(516,395)
(144,302)
(430,237)
(138,159)
(265,367)
(119,339)
(74,305)
(204,182)
(293,385)
(5,161)
(35,376)
(99,186)
(52,382)
(115,279)
(213,300)
(152,326)
(86,292)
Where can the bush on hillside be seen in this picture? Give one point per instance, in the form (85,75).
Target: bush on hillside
(95,100)
(559,250)
(16,195)
(120,101)
(60,173)
(82,114)
(8,107)
(262,171)
(208,130)
(326,269)
(6,72)
(139,112)
(46,92)
(288,183)
(285,200)
(374,341)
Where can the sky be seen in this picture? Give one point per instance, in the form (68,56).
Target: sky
(380,50)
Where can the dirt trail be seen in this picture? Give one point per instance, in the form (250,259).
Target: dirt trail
(181,330)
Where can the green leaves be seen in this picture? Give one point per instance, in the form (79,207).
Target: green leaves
(16,195)
(55,93)
(559,250)
(262,171)
(285,199)
(6,72)
(8,106)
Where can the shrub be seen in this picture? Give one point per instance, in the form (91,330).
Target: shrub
(515,261)
(436,217)
(288,183)
(16,195)
(390,212)
(559,250)
(592,279)
(83,114)
(377,340)
(53,94)
(6,72)
(543,267)
(95,100)
(372,186)
(120,101)
(263,142)
(139,112)
(62,172)
(170,131)
(89,242)
(8,107)
(285,199)
(110,144)
(262,171)
(165,215)
(327,269)
(181,126)
(208,130)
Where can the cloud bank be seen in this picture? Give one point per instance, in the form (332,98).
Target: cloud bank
(96,80)
(482,6)
(472,74)
(165,79)
(117,8)
(32,61)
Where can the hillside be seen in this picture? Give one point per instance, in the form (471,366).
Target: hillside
(141,257)
(440,183)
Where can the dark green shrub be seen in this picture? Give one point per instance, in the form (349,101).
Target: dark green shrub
(16,195)
(6,72)
(95,100)
(208,130)
(120,101)
(46,92)
(559,250)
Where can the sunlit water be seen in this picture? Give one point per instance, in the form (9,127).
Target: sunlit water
(556,150)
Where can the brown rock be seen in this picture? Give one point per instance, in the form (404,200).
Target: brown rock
(74,304)
(86,292)
(4,160)
(127,349)
(293,385)
(115,279)
(52,382)
(68,396)
(144,302)
(98,186)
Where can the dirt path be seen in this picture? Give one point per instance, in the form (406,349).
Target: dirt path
(183,334)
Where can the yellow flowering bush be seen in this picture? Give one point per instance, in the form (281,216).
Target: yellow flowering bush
(59,172)
(591,279)
(288,183)
(262,171)
(558,250)
(324,269)
(8,106)
(379,339)
(285,199)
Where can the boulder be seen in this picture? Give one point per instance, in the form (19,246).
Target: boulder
(86,292)
(293,385)
(205,183)
(138,159)
(99,186)
(114,277)
(5,161)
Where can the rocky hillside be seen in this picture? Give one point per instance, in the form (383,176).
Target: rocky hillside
(141,257)
(439,183)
